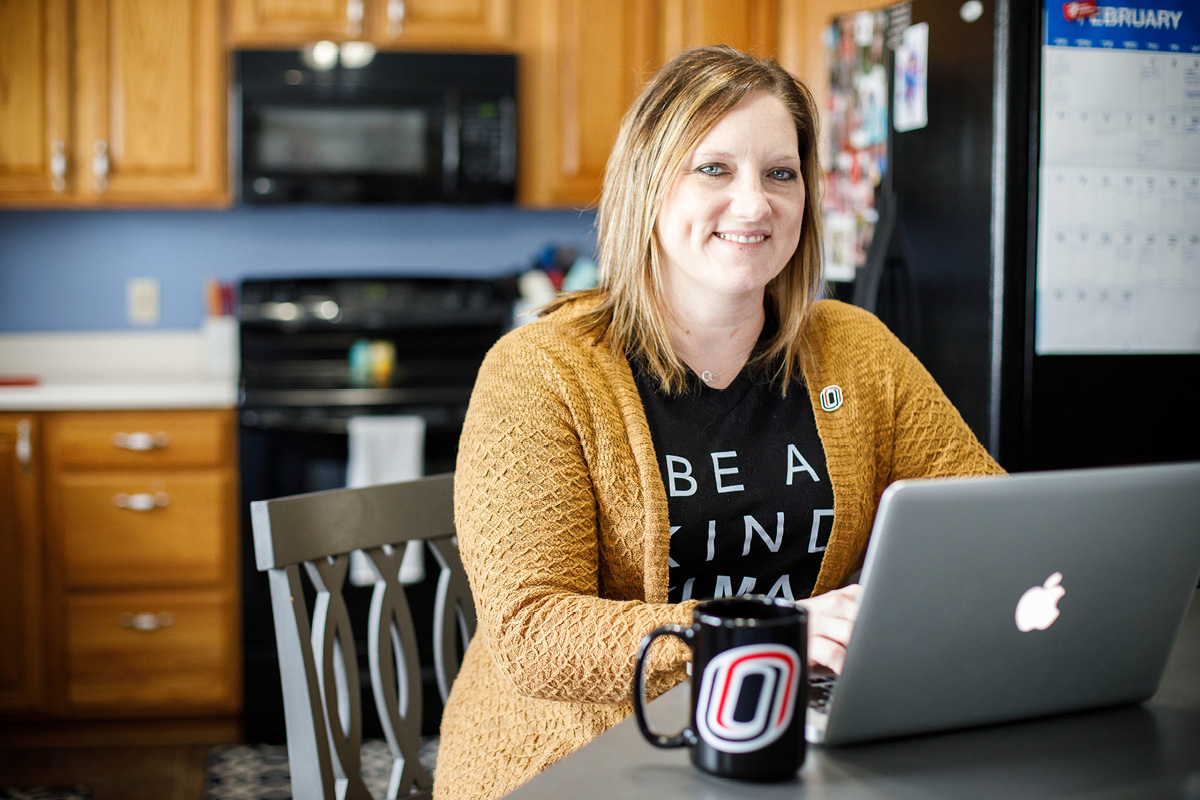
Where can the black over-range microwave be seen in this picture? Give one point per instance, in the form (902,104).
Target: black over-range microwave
(385,128)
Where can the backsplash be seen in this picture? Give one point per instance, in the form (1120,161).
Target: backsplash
(69,270)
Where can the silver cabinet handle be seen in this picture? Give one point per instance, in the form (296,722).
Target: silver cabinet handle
(141,440)
(25,445)
(354,17)
(147,620)
(395,18)
(58,165)
(100,165)
(143,501)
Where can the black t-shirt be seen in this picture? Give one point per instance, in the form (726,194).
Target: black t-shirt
(748,494)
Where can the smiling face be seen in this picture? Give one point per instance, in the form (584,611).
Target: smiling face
(731,219)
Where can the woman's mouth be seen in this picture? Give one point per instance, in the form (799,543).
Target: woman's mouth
(733,237)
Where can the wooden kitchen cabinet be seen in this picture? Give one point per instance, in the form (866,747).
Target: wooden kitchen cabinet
(587,60)
(433,24)
(266,23)
(112,103)
(35,110)
(170,657)
(141,529)
(749,25)
(22,687)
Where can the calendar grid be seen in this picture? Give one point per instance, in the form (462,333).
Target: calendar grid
(1119,207)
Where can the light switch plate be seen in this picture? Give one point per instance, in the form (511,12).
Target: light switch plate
(142,301)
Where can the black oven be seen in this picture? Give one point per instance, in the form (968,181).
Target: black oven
(321,125)
(300,384)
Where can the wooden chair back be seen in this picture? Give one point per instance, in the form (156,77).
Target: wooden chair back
(312,535)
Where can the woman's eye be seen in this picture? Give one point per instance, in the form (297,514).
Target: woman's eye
(710,169)
(783,174)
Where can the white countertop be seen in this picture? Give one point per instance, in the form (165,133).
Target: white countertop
(113,370)
(118,395)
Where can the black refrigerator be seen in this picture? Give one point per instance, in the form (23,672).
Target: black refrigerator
(952,258)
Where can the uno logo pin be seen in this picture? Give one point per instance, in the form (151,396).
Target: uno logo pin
(769,676)
(831,397)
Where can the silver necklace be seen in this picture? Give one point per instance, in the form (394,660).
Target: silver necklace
(707,376)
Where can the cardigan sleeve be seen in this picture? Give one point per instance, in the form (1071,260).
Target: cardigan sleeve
(529,525)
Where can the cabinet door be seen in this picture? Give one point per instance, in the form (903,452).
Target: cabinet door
(151,653)
(748,25)
(151,96)
(136,440)
(21,645)
(442,23)
(34,102)
(143,529)
(294,22)
(587,63)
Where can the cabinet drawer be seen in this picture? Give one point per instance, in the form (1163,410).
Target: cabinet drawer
(136,439)
(131,529)
(151,652)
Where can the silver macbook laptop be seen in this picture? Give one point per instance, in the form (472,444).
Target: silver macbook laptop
(998,598)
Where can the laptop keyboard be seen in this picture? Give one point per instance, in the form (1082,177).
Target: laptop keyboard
(820,687)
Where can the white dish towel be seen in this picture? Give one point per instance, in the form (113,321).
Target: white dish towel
(386,450)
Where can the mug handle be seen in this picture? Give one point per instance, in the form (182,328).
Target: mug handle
(687,736)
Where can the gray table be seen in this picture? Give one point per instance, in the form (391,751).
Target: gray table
(1150,750)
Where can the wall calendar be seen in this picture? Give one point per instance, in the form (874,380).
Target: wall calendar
(1118,242)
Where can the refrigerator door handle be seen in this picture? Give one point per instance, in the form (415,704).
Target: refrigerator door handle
(866,285)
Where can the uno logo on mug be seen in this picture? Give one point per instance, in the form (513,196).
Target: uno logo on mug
(747,697)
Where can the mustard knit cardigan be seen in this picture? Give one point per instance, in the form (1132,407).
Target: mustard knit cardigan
(562,522)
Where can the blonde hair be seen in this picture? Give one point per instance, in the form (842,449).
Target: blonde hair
(675,110)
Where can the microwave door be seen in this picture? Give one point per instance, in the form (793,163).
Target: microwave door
(369,150)
(451,145)
(403,127)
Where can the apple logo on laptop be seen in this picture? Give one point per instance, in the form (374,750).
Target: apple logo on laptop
(1038,607)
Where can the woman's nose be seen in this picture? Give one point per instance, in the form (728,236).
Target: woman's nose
(748,198)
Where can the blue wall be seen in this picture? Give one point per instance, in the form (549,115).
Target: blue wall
(67,270)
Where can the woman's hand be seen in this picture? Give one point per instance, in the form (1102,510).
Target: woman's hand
(830,624)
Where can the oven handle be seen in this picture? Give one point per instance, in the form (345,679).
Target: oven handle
(283,422)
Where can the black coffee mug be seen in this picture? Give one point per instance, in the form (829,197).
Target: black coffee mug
(749,688)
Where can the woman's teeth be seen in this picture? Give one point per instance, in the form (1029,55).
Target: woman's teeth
(729,237)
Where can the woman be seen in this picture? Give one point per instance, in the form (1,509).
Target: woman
(699,425)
